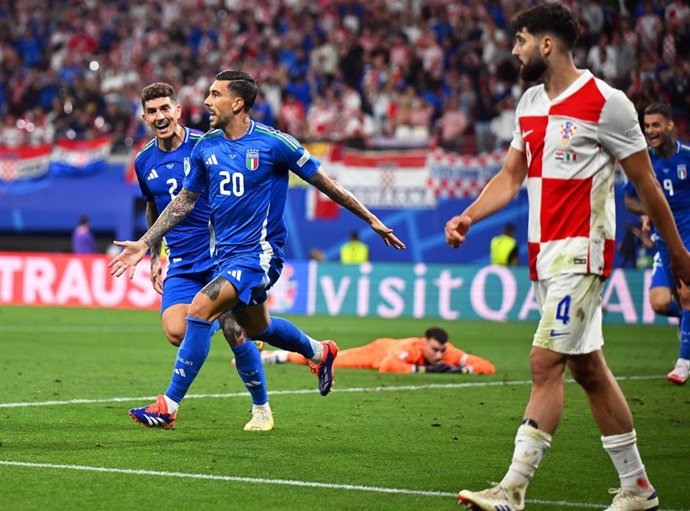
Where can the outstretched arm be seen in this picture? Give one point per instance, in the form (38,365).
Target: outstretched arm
(337,193)
(134,251)
(497,193)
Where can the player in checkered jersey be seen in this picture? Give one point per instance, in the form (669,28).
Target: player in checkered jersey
(570,130)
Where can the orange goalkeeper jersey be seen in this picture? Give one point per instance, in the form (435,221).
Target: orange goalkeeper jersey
(404,355)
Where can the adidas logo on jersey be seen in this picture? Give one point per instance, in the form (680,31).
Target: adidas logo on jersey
(212,160)
(152,175)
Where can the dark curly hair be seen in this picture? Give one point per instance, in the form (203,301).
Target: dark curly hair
(554,19)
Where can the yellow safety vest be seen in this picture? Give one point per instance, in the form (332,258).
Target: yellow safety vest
(501,247)
(354,252)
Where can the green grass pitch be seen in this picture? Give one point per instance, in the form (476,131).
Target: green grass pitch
(378,442)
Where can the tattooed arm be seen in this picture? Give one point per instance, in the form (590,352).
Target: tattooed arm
(172,215)
(344,197)
(134,251)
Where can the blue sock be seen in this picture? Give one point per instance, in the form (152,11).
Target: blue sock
(251,370)
(286,336)
(215,326)
(673,309)
(685,335)
(191,355)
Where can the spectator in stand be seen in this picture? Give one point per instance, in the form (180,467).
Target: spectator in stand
(62,49)
(262,111)
(626,57)
(677,87)
(503,125)
(292,116)
(320,117)
(485,112)
(452,124)
(649,26)
(83,240)
(410,115)
(601,59)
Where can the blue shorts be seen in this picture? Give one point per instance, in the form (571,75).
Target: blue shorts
(659,278)
(252,277)
(182,288)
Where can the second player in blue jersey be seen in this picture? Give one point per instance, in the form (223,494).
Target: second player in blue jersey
(671,162)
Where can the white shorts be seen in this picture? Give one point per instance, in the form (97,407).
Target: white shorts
(570,306)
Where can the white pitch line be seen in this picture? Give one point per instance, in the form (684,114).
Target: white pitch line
(281,482)
(396,388)
(253,480)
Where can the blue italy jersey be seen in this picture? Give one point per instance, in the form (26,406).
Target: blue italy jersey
(247,181)
(672,174)
(161,174)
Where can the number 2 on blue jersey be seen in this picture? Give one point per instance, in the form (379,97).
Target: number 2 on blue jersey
(563,310)
(173,187)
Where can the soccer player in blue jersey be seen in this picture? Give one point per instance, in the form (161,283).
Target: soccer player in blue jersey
(671,162)
(244,168)
(161,167)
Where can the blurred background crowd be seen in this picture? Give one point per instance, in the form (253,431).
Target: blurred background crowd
(393,73)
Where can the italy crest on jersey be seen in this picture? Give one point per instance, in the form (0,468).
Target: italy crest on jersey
(252,159)
(568,129)
(682,171)
(187,167)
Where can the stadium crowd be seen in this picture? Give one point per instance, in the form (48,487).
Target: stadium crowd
(402,72)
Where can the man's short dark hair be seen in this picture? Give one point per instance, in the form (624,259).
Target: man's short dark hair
(437,333)
(157,90)
(554,19)
(242,84)
(661,109)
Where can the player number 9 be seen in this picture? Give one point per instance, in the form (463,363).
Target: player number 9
(668,186)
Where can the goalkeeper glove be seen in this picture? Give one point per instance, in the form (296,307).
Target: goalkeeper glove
(442,367)
(439,368)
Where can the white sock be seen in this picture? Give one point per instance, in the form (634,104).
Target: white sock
(274,356)
(282,356)
(530,446)
(318,350)
(265,407)
(173,406)
(626,458)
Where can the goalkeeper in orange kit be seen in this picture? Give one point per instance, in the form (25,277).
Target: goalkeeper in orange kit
(432,353)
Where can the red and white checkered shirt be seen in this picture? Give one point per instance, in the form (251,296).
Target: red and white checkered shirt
(571,144)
